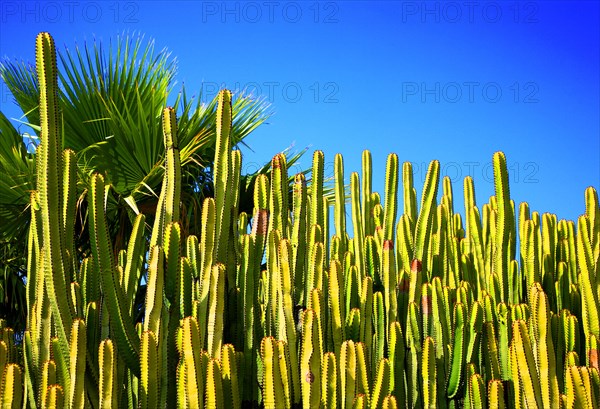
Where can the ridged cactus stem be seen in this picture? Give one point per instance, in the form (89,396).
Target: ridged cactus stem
(150,371)
(279,195)
(329,381)
(272,387)
(12,389)
(107,385)
(317,215)
(340,203)
(424,225)
(310,361)
(49,185)
(222,171)
(357,223)
(126,338)
(543,347)
(154,291)
(135,259)
(69,186)
(391,197)
(367,190)
(299,247)
(191,354)
(430,399)
(215,311)
(587,280)
(457,366)
(409,195)
(78,361)
(505,224)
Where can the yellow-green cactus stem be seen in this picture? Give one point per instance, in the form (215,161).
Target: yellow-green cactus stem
(524,367)
(362,375)
(348,370)
(477,396)
(278,200)
(108,391)
(381,383)
(154,291)
(357,224)
(310,360)
(214,389)
(329,381)
(287,329)
(404,240)
(125,336)
(414,345)
(78,362)
(490,346)
(193,363)
(49,184)
(149,382)
(69,196)
(587,280)
(379,336)
(273,395)
(340,203)
(543,347)
(504,335)
(55,397)
(495,396)
(390,282)
(12,387)
(291,397)
(457,366)
(578,388)
(391,196)
(317,215)
(231,391)
(429,372)
(424,224)
(360,402)
(299,235)
(409,195)
(181,386)
(396,354)
(367,190)
(474,331)
(222,174)
(216,310)
(336,302)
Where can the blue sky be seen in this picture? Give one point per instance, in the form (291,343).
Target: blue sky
(454,81)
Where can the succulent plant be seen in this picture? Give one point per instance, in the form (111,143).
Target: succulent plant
(411,311)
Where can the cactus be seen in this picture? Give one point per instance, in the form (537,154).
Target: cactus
(107,386)
(49,185)
(457,366)
(411,311)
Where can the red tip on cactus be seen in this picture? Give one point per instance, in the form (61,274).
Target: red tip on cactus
(404,285)
(593,355)
(276,162)
(261,222)
(426,304)
(416,266)
(388,245)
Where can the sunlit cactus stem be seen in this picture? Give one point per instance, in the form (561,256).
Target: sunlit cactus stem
(49,184)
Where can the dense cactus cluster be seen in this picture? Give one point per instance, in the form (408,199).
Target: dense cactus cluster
(274,309)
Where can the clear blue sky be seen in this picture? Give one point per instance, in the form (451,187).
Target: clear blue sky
(454,81)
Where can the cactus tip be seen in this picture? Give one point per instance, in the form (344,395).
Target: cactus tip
(388,245)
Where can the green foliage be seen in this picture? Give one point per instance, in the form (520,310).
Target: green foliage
(410,312)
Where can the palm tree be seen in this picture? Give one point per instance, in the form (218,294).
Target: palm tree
(111,105)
